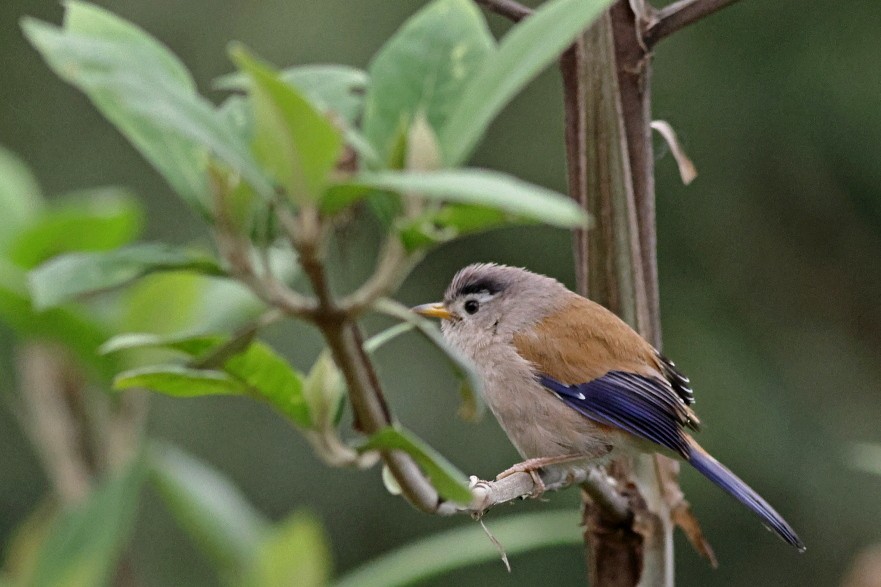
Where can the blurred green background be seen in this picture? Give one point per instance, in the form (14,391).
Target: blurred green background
(770,266)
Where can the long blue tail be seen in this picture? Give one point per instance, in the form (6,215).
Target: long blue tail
(721,476)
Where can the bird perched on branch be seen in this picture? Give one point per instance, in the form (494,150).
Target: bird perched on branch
(571,383)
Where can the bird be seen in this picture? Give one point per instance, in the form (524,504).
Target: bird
(571,383)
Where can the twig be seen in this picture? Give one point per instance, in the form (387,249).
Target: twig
(519,485)
(510,9)
(679,15)
(236,250)
(344,339)
(371,411)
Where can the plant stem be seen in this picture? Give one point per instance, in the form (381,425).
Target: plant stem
(679,15)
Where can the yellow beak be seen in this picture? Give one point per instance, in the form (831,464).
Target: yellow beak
(436,310)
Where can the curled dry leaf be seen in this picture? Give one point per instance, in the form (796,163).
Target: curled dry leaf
(687,170)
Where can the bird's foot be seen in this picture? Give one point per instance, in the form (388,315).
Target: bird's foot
(532,466)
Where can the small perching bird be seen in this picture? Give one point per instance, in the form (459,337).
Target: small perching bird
(572,383)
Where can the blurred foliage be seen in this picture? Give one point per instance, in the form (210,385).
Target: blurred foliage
(769,278)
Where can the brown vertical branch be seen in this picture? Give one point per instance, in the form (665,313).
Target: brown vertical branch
(574,105)
(611,174)
(633,65)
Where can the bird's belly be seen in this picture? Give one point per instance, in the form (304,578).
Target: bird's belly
(540,425)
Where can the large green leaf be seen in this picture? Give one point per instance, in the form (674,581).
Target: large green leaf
(212,510)
(526,50)
(450,483)
(273,378)
(467,545)
(441,224)
(20,196)
(147,94)
(331,88)
(89,220)
(295,552)
(86,542)
(163,303)
(294,141)
(66,277)
(423,68)
(257,370)
(479,187)
(195,345)
(180,381)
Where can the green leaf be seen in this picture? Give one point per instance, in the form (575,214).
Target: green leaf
(451,221)
(163,303)
(86,542)
(461,547)
(20,196)
(194,345)
(295,552)
(296,143)
(526,50)
(179,381)
(330,88)
(257,371)
(66,277)
(424,67)
(89,220)
(141,87)
(465,218)
(209,507)
(483,188)
(273,379)
(72,327)
(450,483)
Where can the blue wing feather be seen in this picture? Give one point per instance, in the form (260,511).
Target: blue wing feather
(651,410)
(642,406)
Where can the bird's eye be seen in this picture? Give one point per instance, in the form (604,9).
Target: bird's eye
(471,306)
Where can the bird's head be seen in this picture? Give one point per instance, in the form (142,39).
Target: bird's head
(486,301)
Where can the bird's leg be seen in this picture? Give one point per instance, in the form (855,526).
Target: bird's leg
(532,466)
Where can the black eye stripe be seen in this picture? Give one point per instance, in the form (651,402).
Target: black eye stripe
(484,285)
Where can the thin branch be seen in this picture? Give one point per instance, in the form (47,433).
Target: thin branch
(235,250)
(370,409)
(510,9)
(679,15)
(344,339)
(520,485)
